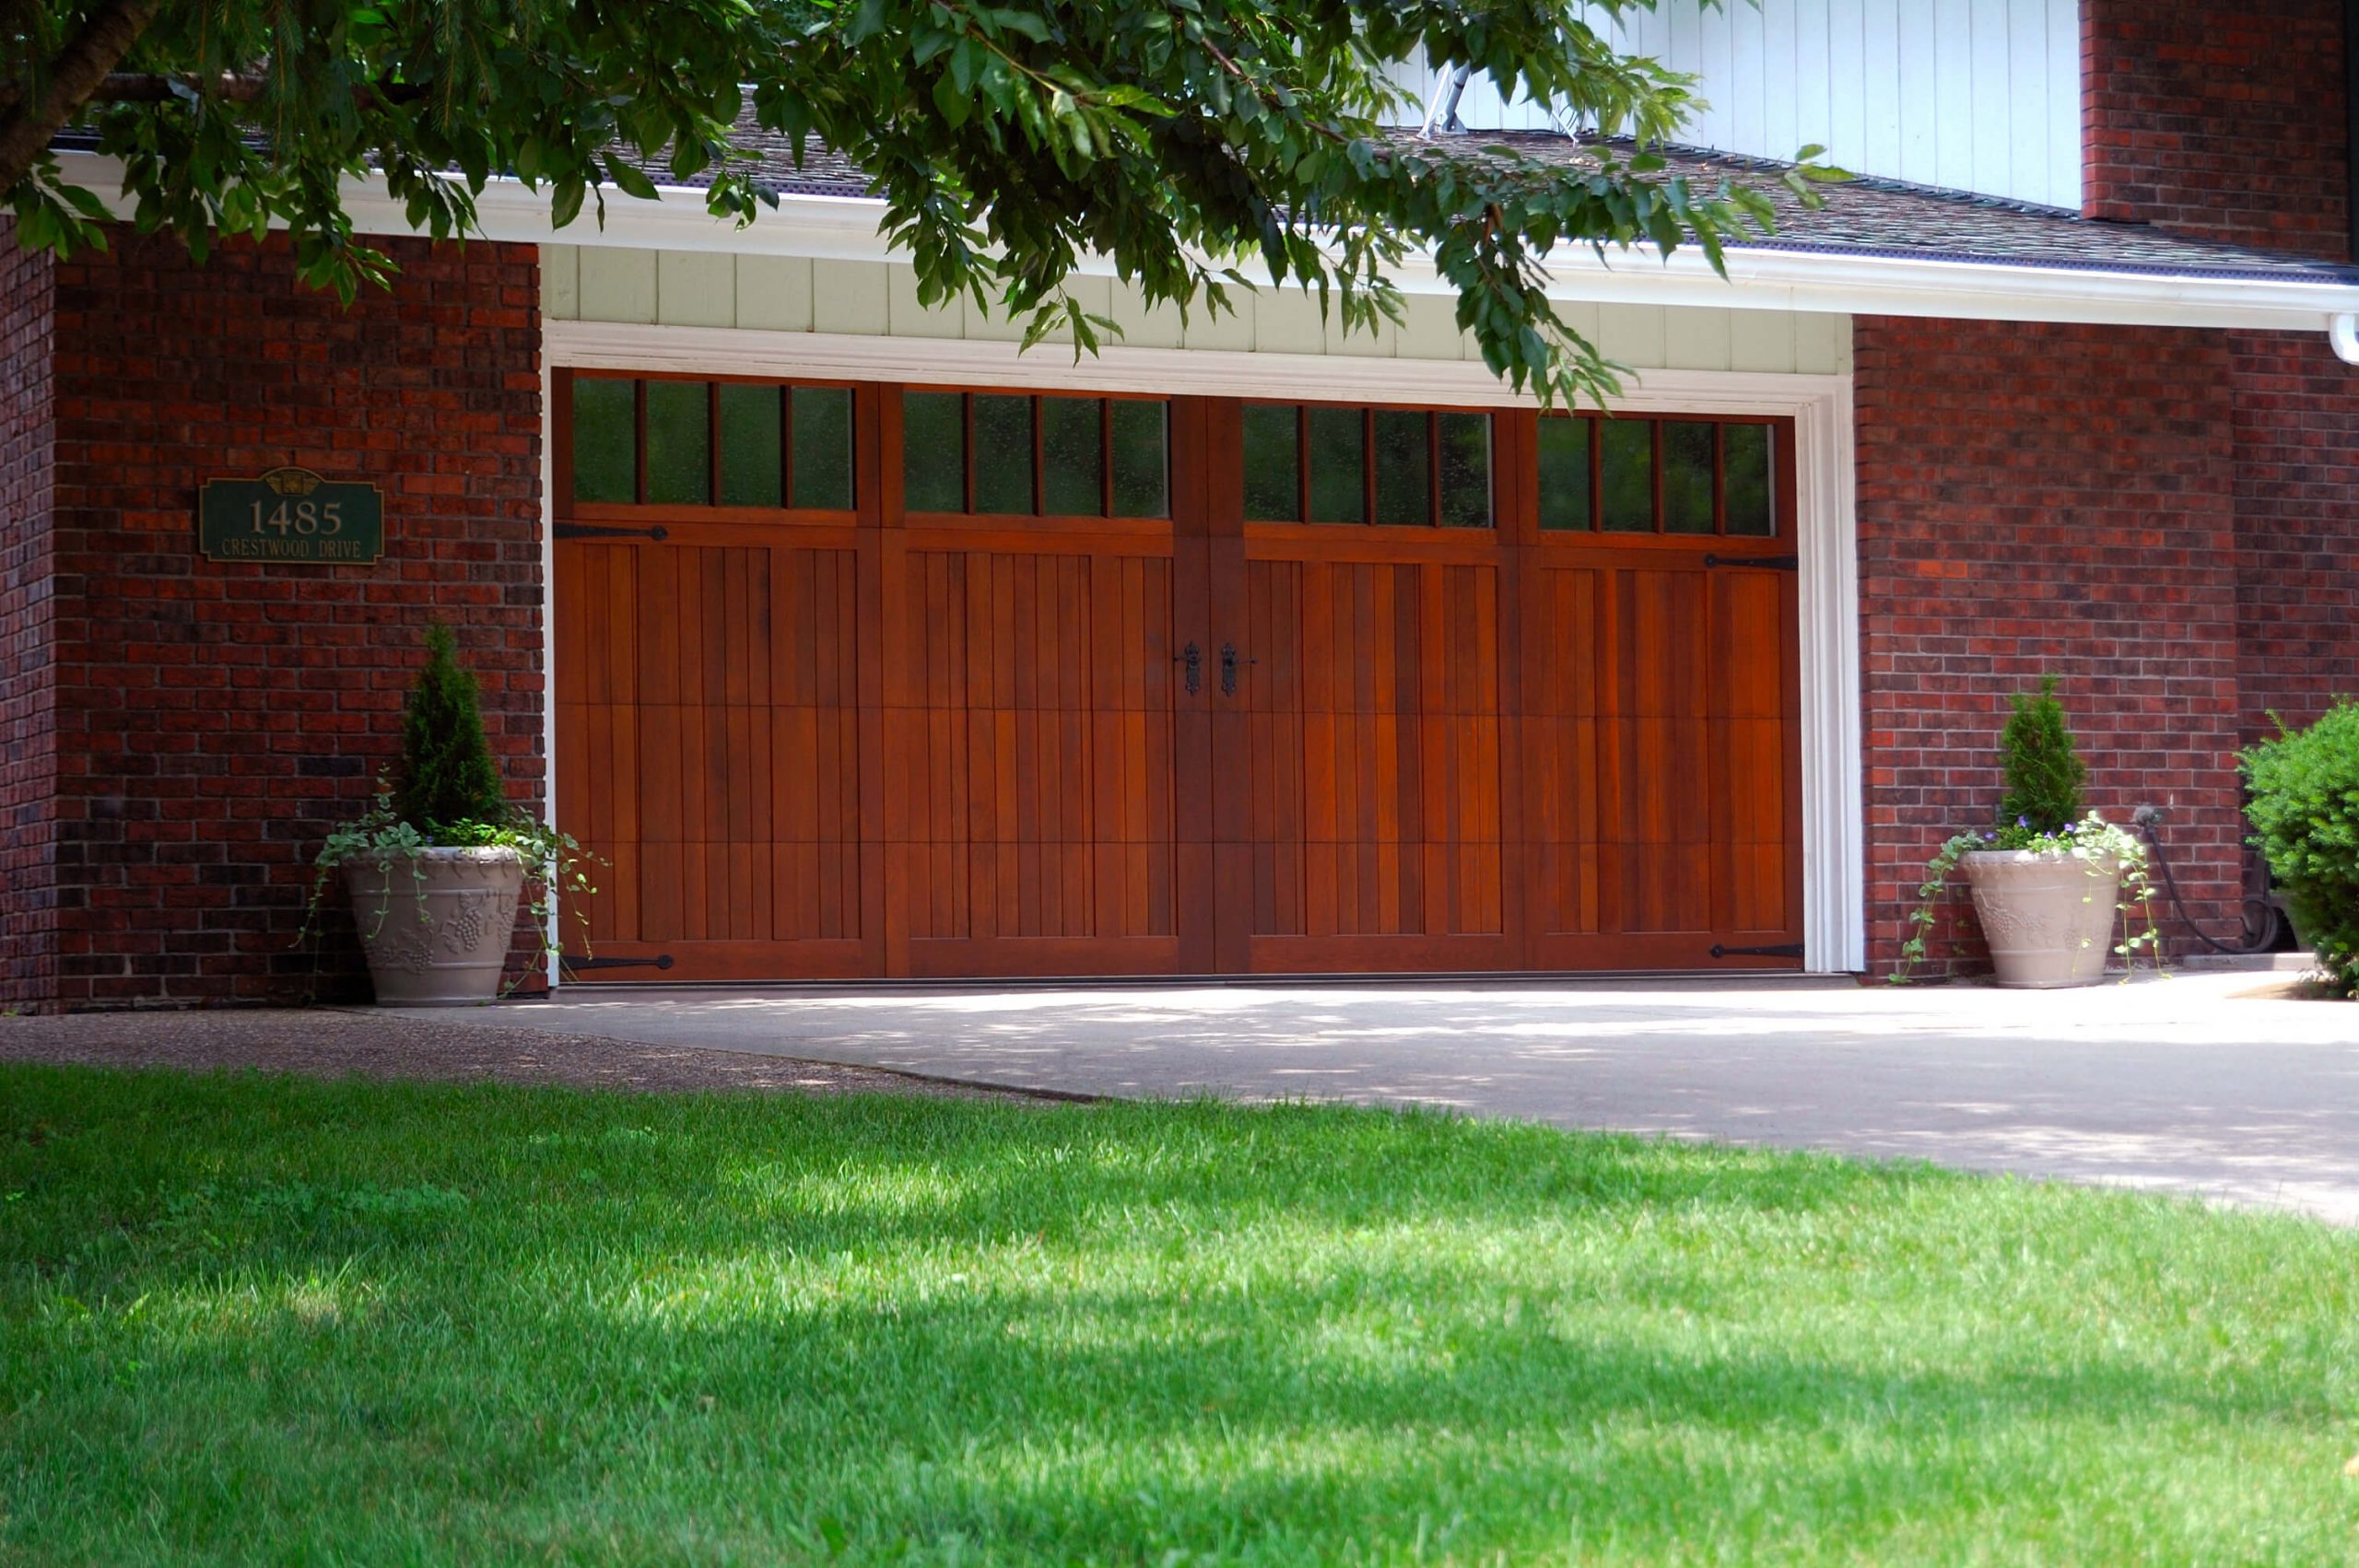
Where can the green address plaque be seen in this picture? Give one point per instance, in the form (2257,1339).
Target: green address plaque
(290,515)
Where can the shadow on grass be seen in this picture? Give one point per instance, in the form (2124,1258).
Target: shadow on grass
(374,1316)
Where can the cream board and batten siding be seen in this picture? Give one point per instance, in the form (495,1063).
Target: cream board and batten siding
(1974,95)
(703,288)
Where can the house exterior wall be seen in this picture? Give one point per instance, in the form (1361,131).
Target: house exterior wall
(2060,499)
(2221,122)
(2296,432)
(1975,95)
(689,289)
(28,892)
(213,719)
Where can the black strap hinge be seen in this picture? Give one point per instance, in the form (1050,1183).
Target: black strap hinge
(571,961)
(1760,563)
(1779,950)
(597,531)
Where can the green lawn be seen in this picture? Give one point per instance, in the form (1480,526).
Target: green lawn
(247,1318)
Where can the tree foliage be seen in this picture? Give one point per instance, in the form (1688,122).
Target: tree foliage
(2043,770)
(447,779)
(1186,140)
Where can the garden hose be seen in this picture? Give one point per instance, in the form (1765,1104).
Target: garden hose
(2150,818)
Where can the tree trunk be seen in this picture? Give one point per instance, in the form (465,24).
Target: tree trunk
(77,73)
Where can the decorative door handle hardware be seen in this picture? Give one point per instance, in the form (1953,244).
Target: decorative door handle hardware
(594,531)
(1194,660)
(1228,667)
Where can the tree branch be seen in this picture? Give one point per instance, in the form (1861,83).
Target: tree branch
(77,73)
(132,86)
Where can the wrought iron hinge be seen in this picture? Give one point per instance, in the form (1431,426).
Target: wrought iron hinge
(599,531)
(1780,950)
(1761,563)
(570,960)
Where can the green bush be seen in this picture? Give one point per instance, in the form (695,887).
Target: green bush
(448,784)
(2304,813)
(2044,773)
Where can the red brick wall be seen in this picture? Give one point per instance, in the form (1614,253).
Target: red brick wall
(2297,527)
(2220,121)
(213,719)
(28,715)
(2045,498)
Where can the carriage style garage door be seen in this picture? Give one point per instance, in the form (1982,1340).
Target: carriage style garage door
(875,681)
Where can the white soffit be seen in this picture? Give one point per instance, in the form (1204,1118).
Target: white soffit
(845,229)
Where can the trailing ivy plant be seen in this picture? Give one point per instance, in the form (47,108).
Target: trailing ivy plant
(2041,812)
(445,793)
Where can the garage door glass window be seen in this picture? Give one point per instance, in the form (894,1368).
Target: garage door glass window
(1399,467)
(1643,474)
(1013,454)
(680,443)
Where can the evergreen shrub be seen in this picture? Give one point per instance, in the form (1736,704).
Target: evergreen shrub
(2303,806)
(447,783)
(2044,772)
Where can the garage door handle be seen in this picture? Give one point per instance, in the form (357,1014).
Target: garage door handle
(1229,668)
(1194,674)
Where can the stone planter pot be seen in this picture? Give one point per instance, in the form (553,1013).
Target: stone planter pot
(436,928)
(2047,915)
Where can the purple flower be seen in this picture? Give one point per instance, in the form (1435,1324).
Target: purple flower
(2022,822)
(1988,837)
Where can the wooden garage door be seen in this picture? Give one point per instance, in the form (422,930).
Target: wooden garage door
(934,682)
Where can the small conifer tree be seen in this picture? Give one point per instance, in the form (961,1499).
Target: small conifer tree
(447,777)
(2044,772)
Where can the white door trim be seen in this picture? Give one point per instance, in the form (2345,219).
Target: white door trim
(1834,828)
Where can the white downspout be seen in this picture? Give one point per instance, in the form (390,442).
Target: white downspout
(2342,331)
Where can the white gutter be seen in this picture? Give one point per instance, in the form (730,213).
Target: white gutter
(845,229)
(2343,333)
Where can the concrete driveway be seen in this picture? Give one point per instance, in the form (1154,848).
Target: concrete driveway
(2207,1083)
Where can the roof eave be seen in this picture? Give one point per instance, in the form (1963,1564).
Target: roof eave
(845,229)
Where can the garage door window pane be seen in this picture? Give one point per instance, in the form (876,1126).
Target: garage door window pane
(1003,453)
(1273,472)
(1338,466)
(822,448)
(606,439)
(1404,484)
(1142,471)
(1744,449)
(749,446)
(1072,457)
(1687,477)
(1564,475)
(933,451)
(1465,470)
(1628,471)
(679,443)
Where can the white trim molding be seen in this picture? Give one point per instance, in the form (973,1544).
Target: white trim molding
(1834,827)
(846,229)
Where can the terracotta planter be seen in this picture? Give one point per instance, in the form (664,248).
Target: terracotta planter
(2047,915)
(436,928)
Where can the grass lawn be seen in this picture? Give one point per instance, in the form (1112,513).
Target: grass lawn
(275,1319)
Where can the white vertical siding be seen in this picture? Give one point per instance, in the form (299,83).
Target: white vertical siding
(1975,95)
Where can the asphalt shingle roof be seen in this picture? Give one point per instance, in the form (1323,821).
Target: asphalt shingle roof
(1864,216)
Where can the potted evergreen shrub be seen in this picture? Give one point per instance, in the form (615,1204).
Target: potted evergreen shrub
(2303,807)
(439,864)
(2047,881)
